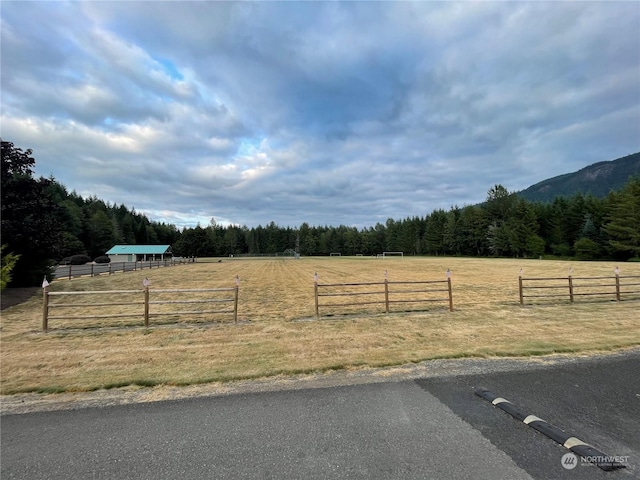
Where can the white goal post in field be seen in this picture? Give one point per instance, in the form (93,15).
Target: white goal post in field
(392,254)
(335,254)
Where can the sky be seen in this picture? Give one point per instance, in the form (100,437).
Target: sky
(327,113)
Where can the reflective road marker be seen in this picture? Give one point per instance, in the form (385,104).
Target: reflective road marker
(577,446)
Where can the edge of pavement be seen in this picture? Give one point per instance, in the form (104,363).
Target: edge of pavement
(38,402)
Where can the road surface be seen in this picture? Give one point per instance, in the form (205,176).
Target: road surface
(429,427)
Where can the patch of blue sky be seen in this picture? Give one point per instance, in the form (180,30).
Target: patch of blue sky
(248,147)
(170,68)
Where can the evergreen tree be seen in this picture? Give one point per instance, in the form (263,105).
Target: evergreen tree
(623,225)
(352,243)
(499,207)
(473,228)
(498,239)
(194,242)
(392,236)
(523,229)
(434,233)
(499,203)
(554,228)
(30,217)
(101,234)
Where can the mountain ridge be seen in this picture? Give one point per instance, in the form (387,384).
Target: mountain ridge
(597,179)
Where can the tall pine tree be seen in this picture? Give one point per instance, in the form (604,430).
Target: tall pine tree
(623,225)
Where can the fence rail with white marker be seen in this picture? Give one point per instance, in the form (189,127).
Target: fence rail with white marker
(221,301)
(413,294)
(619,287)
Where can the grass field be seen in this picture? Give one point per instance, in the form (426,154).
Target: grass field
(279,334)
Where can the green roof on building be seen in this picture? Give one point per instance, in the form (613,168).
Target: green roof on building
(139,250)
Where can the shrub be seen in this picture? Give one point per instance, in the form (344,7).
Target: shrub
(586,249)
(8,262)
(102,259)
(79,259)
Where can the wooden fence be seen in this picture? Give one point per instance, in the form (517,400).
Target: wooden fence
(385,294)
(94,269)
(143,303)
(618,287)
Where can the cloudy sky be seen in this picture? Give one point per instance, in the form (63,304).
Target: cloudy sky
(327,113)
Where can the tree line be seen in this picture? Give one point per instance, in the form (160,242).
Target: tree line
(42,222)
(505,225)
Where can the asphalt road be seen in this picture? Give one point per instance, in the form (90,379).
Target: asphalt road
(597,401)
(432,428)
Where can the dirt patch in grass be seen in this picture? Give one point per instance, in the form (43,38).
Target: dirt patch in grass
(16,296)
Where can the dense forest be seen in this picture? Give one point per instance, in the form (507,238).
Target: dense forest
(43,222)
(504,225)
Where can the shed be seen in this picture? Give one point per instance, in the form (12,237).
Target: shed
(136,253)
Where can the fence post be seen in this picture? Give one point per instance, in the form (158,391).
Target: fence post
(386,296)
(235,300)
(617,287)
(386,291)
(145,284)
(45,309)
(315,287)
(570,289)
(92,270)
(521,292)
(450,290)
(70,266)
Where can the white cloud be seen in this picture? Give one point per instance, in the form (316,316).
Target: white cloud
(345,113)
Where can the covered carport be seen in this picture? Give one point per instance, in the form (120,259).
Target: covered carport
(137,253)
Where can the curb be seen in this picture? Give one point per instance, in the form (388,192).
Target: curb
(574,444)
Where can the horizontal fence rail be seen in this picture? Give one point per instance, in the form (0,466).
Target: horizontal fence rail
(617,287)
(142,303)
(411,294)
(262,255)
(94,269)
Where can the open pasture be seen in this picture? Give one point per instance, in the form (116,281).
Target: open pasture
(277,332)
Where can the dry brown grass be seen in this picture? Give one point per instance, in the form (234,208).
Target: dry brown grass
(278,333)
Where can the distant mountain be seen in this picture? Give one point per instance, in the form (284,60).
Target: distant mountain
(597,179)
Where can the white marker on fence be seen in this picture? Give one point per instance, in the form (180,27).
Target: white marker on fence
(146,282)
(45,305)
(617,271)
(448,273)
